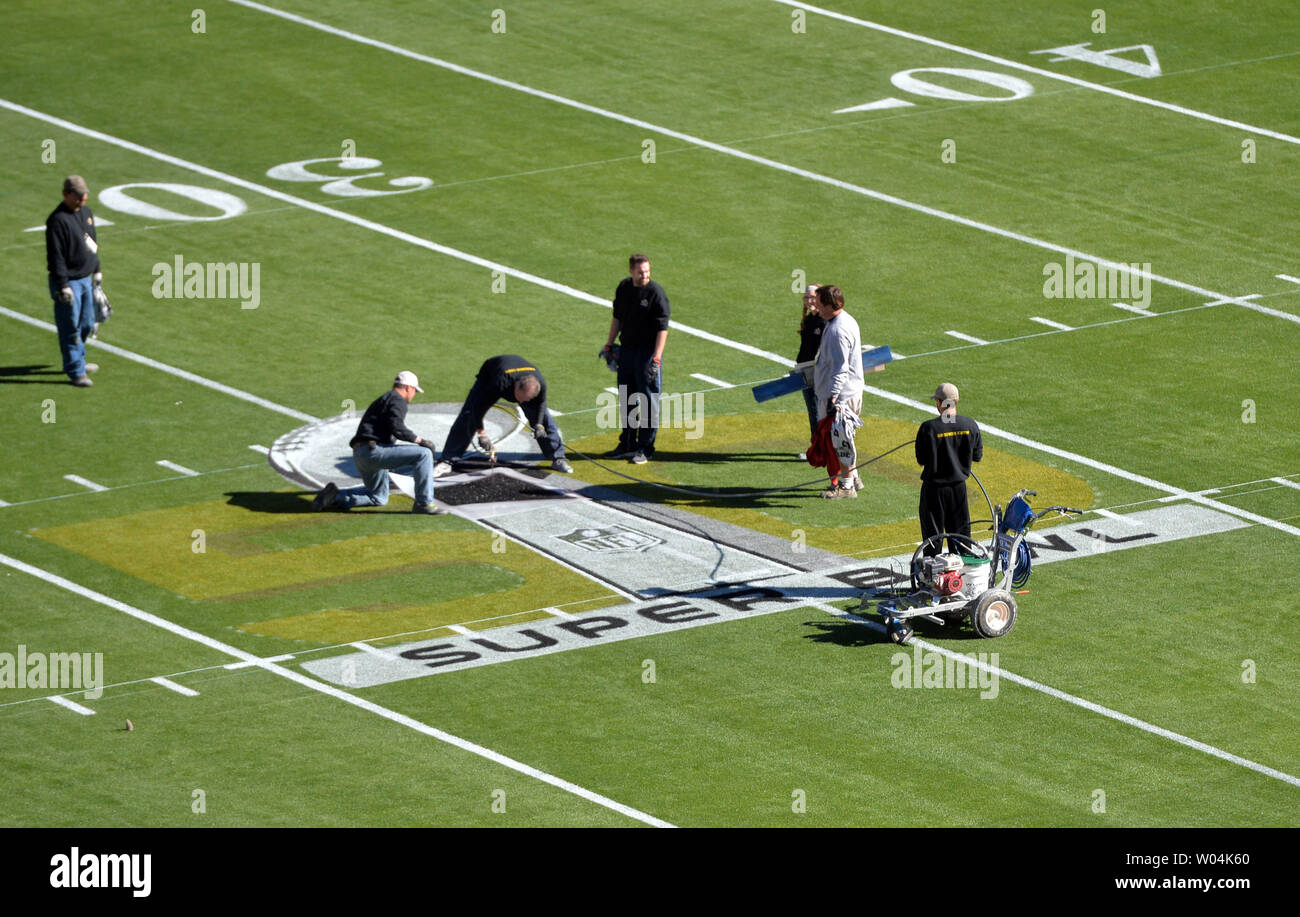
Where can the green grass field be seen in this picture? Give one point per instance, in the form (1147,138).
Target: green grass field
(557,138)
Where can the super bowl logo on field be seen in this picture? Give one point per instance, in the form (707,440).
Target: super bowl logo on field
(613,539)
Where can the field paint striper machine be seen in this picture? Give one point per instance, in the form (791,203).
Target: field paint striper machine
(972,586)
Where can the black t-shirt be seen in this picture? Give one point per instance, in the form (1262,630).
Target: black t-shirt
(385,421)
(810,337)
(642,312)
(501,373)
(945,448)
(67,256)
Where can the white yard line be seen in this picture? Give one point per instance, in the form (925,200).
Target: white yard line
(1002,673)
(260,449)
(163,367)
(1287,277)
(173,686)
(1119,516)
(748,157)
(712,381)
(330,690)
(1287,483)
(1136,310)
(74,707)
(965,337)
(133,484)
(372,650)
(180,469)
(460,629)
(1050,324)
(1027,68)
(77,479)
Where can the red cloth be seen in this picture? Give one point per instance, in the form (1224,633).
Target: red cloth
(821,453)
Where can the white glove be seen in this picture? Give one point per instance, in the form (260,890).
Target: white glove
(98,278)
(65,296)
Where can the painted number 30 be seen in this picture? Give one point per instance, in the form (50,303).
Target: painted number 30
(224,205)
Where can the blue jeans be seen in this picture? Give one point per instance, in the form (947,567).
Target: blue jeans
(76,323)
(636,378)
(469,421)
(374,465)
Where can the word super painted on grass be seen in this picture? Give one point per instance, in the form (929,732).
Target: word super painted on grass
(616,411)
(56,671)
(240,280)
(935,670)
(103,870)
(1086,280)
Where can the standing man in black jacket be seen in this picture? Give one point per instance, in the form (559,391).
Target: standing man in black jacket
(516,380)
(945,448)
(641,323)
(376,452)
(72,258)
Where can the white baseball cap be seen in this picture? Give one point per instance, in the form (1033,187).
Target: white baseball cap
(406,377)
(947,392)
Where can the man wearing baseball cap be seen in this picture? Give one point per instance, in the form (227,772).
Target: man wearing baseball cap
(945,448)
(376,451)
(72,258)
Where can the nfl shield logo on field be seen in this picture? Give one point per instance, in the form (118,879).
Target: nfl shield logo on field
(610,539)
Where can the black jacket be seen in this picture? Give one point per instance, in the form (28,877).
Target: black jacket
(67,256)
(385,421)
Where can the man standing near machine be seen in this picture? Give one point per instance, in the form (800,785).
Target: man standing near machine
(945,448)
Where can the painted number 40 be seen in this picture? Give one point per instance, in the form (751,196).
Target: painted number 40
(1008,88)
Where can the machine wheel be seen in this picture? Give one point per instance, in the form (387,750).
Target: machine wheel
(898,632)
(994,613)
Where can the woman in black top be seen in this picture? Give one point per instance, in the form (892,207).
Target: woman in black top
(810,338)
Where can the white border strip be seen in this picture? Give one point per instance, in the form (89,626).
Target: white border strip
(298,678)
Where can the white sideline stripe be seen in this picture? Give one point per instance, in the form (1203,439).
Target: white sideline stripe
(966,337)
(256,660)
(77,479)
(373,650)
(1119,516)
(1174,493)
(1135,309)
(712,381)
(178,468)
(460,629)
(147,361)
(1027,68)
(1049,323)
(3,503)
(1235,299)
(74,707)
(262,449)
(173,686)
(1287,483)
(356,221)
(337,693)
(1001,673)
(726,151)
(1287,277)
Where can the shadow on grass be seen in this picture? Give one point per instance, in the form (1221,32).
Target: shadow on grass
(268,501)
(32,374)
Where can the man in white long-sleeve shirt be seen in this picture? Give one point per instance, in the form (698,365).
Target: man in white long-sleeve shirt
(837,379)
